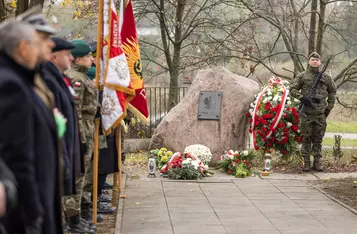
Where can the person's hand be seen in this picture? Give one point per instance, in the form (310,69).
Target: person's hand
(304,100)
(2,200)
(35,227)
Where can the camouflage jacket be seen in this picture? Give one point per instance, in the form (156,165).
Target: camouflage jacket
(85,98)
(325,92)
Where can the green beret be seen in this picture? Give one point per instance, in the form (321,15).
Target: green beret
(315,55)
(81,48)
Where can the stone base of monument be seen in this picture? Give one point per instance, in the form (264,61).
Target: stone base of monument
(186,125)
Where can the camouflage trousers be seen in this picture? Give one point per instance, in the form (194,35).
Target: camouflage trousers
(312,131)
(84,185)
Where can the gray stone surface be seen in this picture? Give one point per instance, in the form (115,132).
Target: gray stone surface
(250,205)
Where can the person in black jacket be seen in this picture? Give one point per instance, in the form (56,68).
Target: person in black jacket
(52,73)
(8,192)
(29,138)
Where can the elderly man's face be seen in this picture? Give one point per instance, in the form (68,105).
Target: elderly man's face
(62,59)
(45,46)
(28,51)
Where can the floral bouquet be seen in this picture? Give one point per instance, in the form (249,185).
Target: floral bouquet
(162,156)
(184,166)
(237,163)
(200,151)
(274,118)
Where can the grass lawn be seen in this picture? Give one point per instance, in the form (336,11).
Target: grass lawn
(344,142)
(343,127)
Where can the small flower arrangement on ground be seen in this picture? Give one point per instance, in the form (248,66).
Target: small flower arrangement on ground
(274,119)
(200,151)
(184,166)
(237,163)
(162,156)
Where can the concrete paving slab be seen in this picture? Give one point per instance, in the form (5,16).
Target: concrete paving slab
(269,196)
(259,190)
(183,202)
(286,189)
(307,196)
(340,175)
(193,229)
(250,205)
(288,183)
(281,176)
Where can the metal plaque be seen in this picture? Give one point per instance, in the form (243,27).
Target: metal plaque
(209,106)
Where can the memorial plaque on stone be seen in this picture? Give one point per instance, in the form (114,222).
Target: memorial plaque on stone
(209,106)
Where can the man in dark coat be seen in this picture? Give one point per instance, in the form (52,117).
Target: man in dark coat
(52,73)
(8,192)
(29,139)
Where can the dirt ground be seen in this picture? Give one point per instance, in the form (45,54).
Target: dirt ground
(344,190)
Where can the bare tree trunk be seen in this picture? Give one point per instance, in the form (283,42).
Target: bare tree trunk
(22,6)
(312,32)
(321,29)
(2,10)
(174,73)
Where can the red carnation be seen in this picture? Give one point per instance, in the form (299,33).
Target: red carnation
(250,131)
(229,171)
(299,139)
(288,109)
(247,114)
(250,120)
(295,128)
(267,106)
(284,152)
(273,130)
(281,125)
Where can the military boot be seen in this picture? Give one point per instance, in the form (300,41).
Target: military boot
(74,225)
(317,164)
(86,214)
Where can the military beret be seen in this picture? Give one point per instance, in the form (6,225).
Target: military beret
(93,45)
(61,44)
(81,48)
(315,55)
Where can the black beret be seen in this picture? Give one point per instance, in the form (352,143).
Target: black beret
(93,45)
(61,44)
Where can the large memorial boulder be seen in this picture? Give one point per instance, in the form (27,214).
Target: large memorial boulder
(181,126)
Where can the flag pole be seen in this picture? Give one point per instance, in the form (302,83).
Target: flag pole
(97,120)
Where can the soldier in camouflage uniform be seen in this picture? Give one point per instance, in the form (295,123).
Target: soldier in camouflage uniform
(313,126)
(86,101)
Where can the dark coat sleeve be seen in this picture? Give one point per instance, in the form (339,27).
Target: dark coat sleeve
(17,145)
(65,155)
(7,178)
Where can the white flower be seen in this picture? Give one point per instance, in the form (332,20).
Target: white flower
(289,103)
(251,111)
(202,152)
(289,124)
(276,97)
(245,152)
(252,105)
(269,93)
(206,167)
(296,100)
(194,163)
(288,98)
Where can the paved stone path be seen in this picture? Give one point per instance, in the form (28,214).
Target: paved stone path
(223,204)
